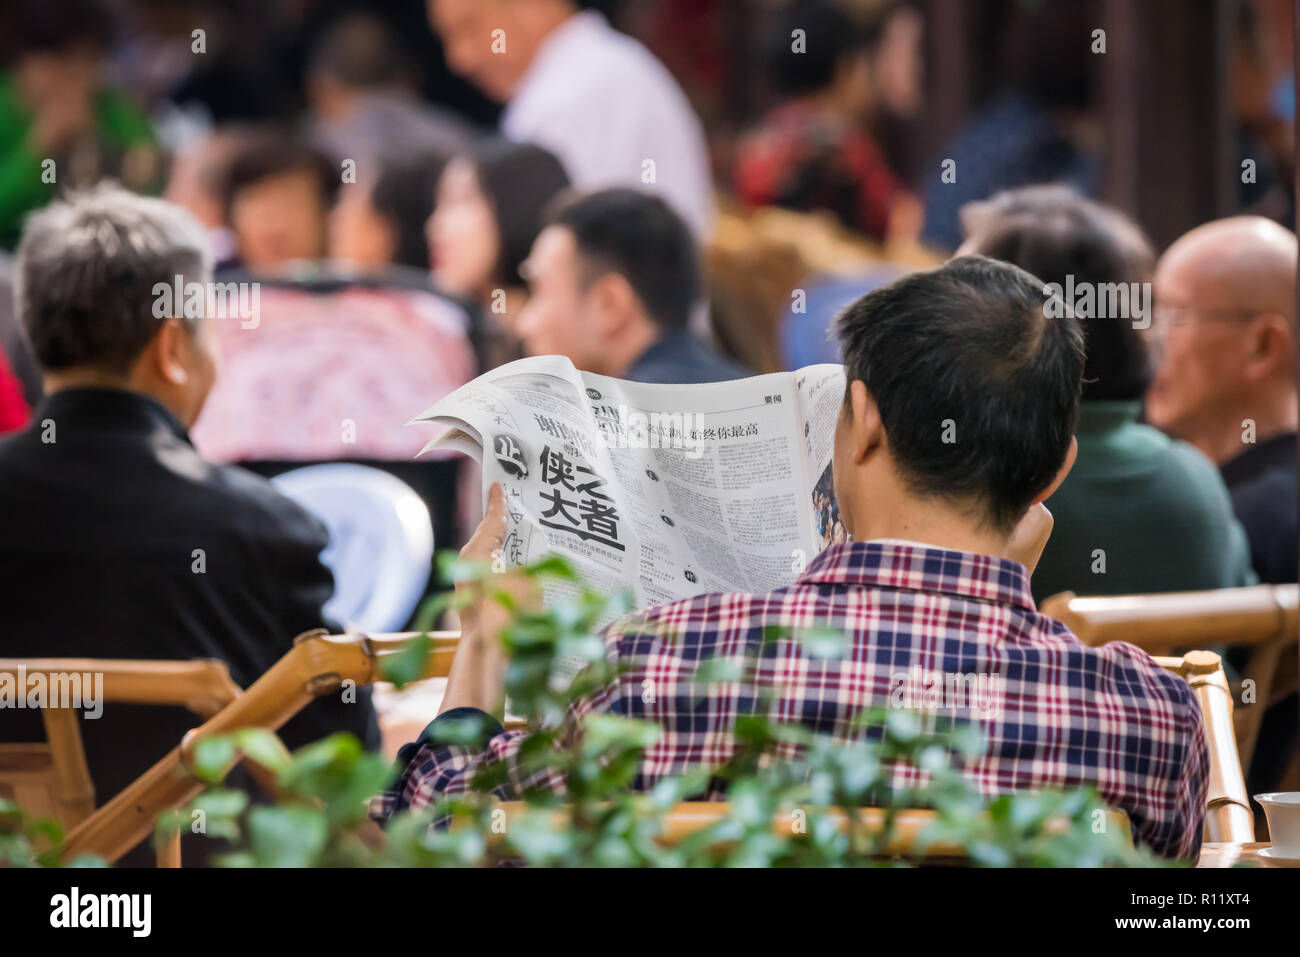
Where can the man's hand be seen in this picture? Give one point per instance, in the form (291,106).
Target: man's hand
(485,546)
(478,670)
(491,532)
(1029,537)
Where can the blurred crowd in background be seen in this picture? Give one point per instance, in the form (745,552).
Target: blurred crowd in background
(383,170)
(256,115)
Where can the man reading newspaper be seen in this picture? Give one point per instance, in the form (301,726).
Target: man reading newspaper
(955,423)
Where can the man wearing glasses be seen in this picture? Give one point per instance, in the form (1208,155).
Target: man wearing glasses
(1226,382)
(1226,374)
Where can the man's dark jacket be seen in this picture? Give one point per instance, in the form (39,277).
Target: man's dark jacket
(118,540)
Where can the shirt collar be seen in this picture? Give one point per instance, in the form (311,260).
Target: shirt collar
(1106,415)
(667,345)
(928,568)
(120,408)
(564,42)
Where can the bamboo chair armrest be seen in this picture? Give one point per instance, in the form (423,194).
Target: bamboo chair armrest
(1228,813)
(204,686)
(1159,624)
(317,664)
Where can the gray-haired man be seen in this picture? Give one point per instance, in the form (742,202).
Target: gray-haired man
(117,539)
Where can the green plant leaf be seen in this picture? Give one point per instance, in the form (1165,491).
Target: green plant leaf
(287,836)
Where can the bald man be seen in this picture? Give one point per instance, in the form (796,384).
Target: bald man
(1226,382)
(1226,379)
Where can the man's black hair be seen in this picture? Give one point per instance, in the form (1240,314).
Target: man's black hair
(638,236)
(977,389)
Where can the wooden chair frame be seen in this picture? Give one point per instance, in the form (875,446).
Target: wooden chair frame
(204,686)
(317,664)
(1262,617)
(1228,816)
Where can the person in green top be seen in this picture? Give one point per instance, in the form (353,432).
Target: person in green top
(1139,512)
(61,125)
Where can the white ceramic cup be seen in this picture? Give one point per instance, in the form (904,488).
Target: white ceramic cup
(1282,808)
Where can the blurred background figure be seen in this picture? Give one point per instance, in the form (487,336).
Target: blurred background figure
(332,372)
(13,406)
(193,63)
(594,97)
(15,351)
(805,327)
(816,150)
(108,514)
(1263,100)
(196,182)
(362,95)
(61,122)
(380,221)
(1040,125)
(1226,381)
(489,208)
(1138,513)
(276,196)
(612,280)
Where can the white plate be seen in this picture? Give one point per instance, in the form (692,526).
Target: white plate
(1273,857)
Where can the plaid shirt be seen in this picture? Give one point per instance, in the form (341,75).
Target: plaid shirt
(1057,714)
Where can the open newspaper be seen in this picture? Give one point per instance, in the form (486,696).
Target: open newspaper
(667,491)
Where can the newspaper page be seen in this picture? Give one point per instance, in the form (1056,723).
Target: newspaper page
(666,491)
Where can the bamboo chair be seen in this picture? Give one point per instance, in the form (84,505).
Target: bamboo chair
(50,778)
(1262,617)
(1228,815)
(317,664)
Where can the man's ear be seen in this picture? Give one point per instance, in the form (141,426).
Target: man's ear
(168,351)
(613,303)
(1070,455)
(1272,347)
(866,431)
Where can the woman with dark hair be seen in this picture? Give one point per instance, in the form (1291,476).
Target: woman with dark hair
(488,211)
(1139,512)
(381,222)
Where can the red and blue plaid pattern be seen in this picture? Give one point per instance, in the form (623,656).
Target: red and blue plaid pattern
(1056,713)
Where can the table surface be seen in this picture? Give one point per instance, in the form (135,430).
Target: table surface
(1235,855)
